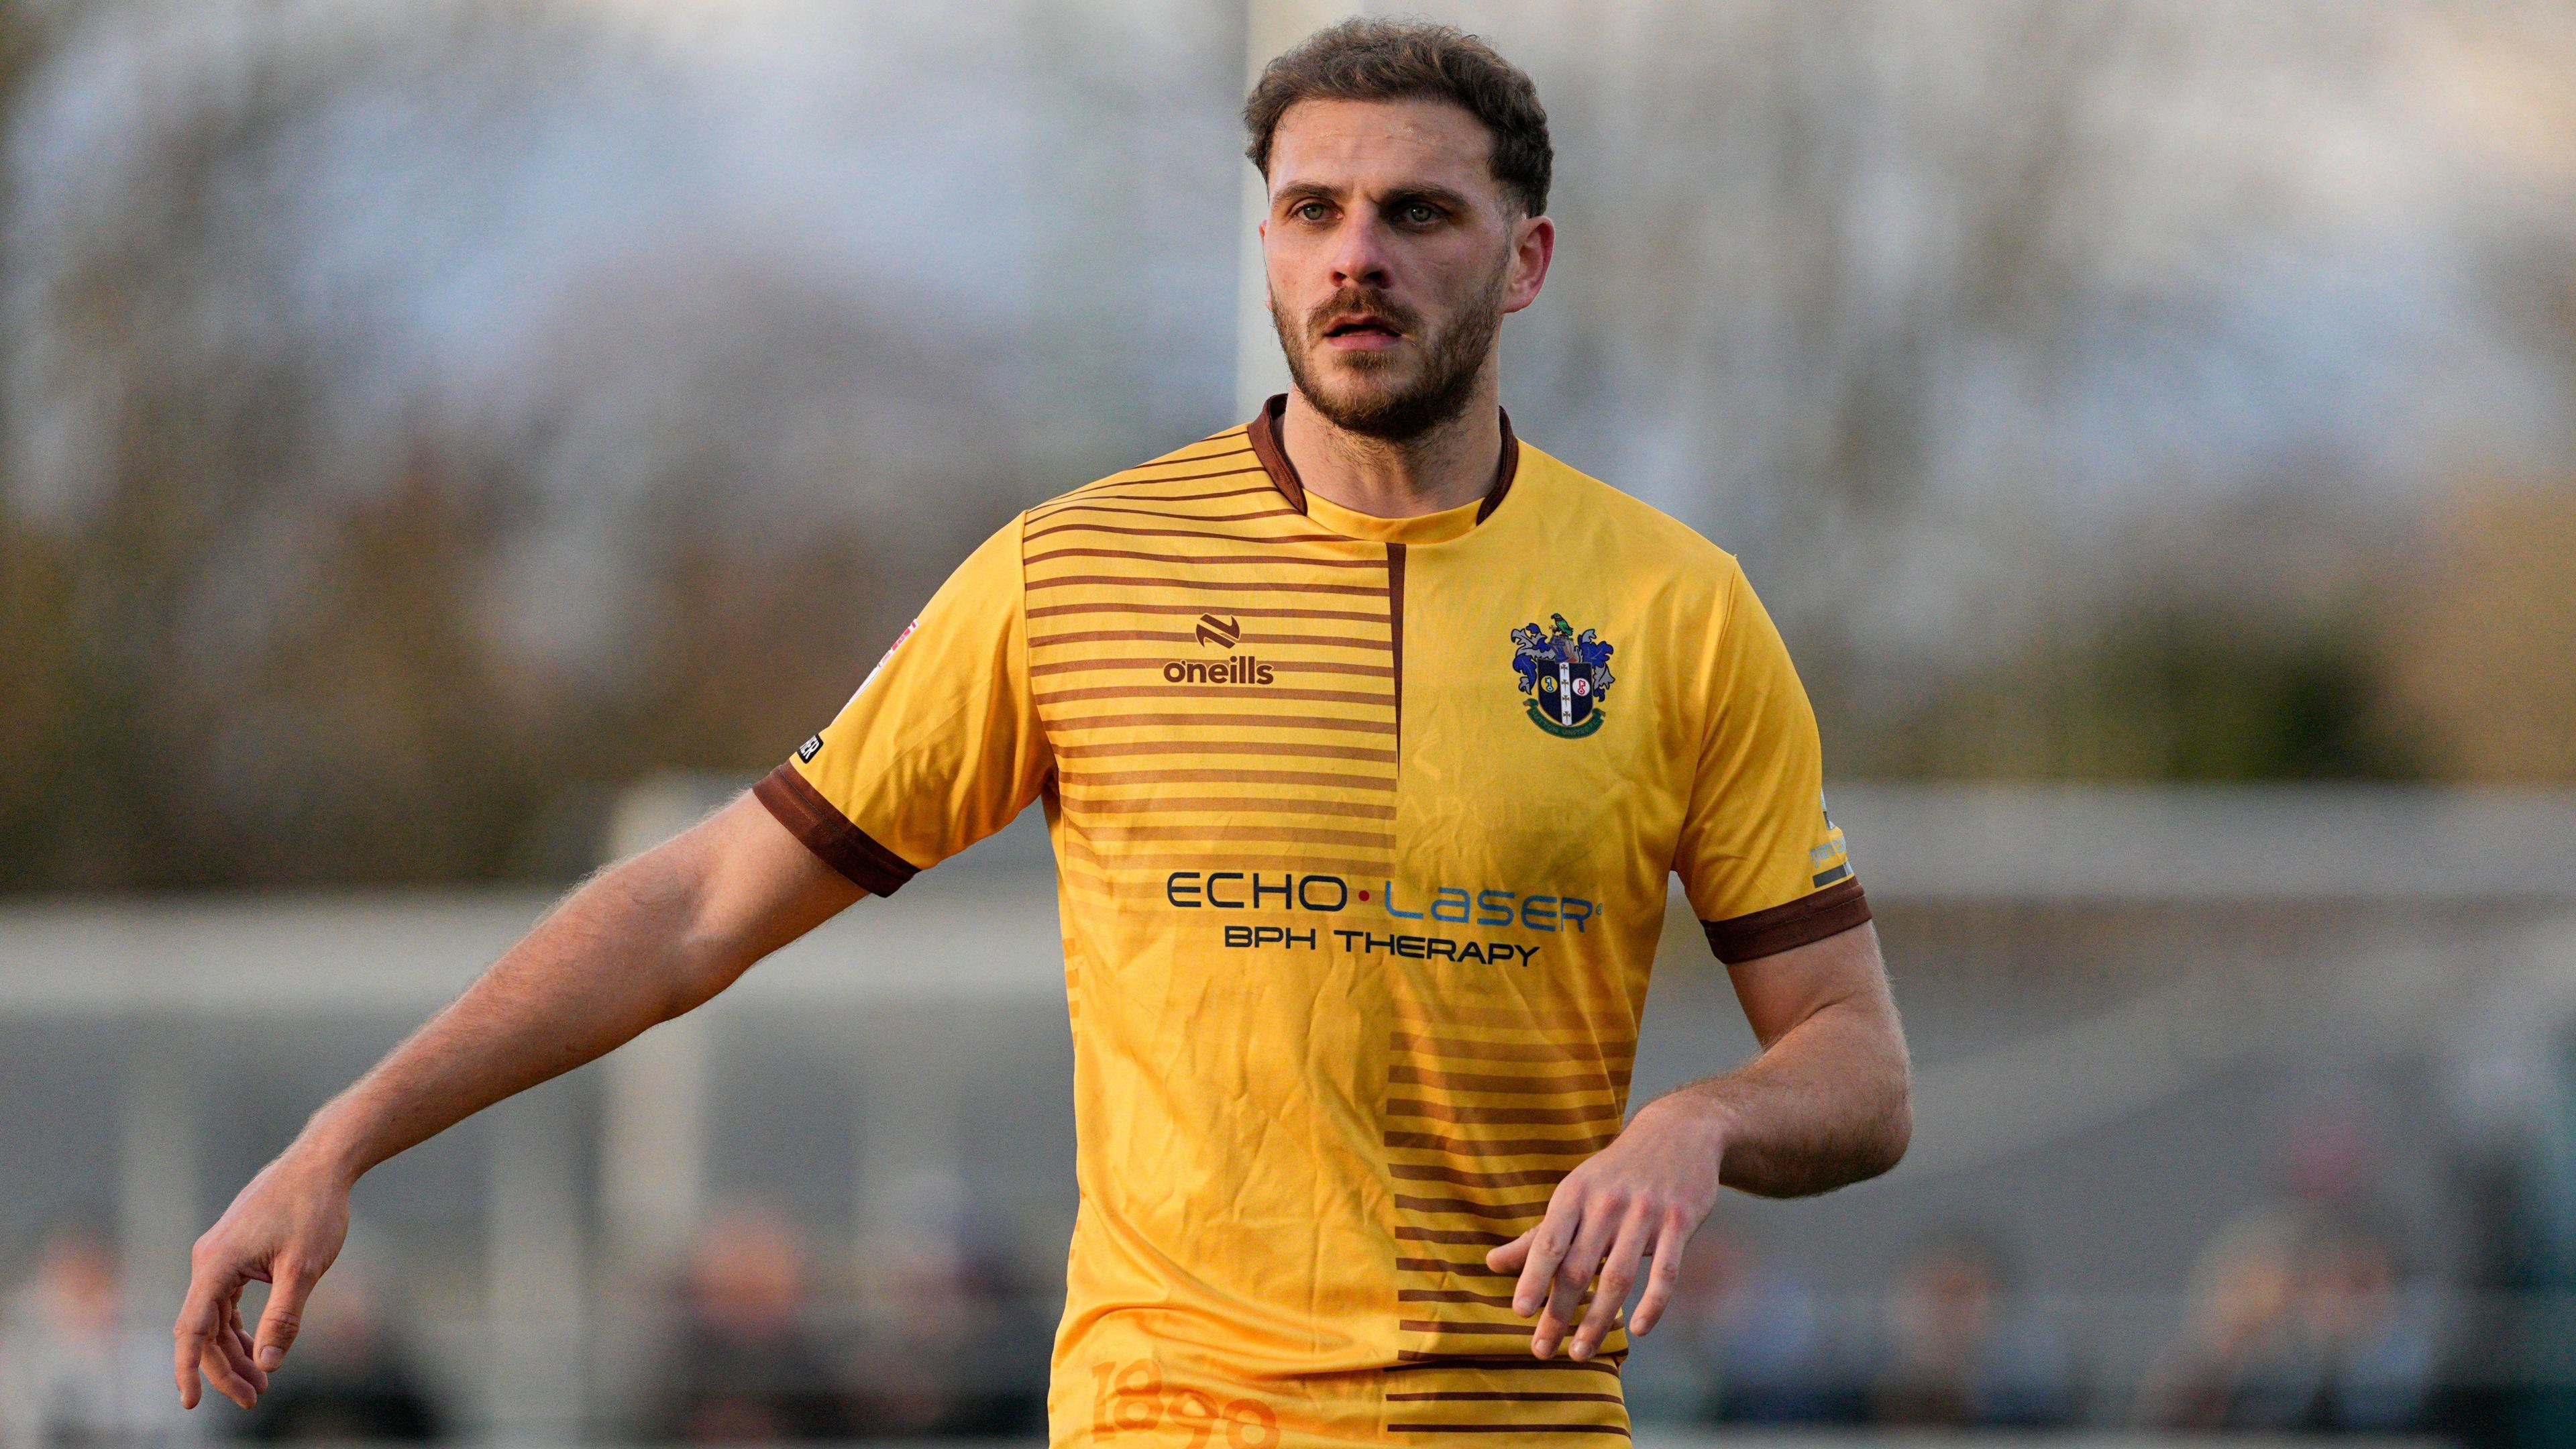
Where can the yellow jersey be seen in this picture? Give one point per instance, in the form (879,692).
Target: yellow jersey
(1363,828)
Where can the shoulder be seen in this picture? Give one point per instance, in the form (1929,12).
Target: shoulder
(1640,540)
(1190,473)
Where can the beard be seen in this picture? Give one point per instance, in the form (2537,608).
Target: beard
(1373,405)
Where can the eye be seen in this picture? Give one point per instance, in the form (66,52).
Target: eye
(1419,213)
(1308,211)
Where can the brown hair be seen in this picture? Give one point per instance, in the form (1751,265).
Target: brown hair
(1371,59)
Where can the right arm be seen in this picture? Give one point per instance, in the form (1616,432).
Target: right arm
(641,943)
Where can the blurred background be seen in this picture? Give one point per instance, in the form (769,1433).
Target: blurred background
(446,445)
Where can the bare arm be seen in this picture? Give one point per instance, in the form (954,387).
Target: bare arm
(1827,1102)
(639,944)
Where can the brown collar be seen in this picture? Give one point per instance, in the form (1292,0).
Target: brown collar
(1263,434)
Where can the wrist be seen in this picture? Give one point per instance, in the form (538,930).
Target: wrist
(331,1147)
(1693,1116)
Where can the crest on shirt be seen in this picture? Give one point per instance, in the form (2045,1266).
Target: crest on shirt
(1565,675)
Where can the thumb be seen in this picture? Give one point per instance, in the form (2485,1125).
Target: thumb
(283,1316)
(1509,1257)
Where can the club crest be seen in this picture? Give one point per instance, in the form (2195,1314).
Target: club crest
(1565,674)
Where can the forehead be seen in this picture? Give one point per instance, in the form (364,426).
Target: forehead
(1379,145)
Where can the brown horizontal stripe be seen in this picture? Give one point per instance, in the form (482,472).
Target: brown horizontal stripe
(1443,1265)
(1452,1295)
(1504,1147)
(1265,560)
(1143,490)
(1411,1234)
(1501,1116)
(1231,586)
(1213,777)
(813,819)
(1380,726)
(1136,477)
(1433,1018)
(1420,1427)
(1410,1360)
(1471,1209)
(1444,1325)
(1284,666)
(1179,456)
(1423,1172)
(1125,750)
(1506,1051)
(1829,912)
(1240,693)
(1162,805)
(1231,535)
(1216,858)
(1413,1076)
(1514,1396)
(1248,611)
(1288,834)
(1415,1427)
(1064,508)
(1175,636)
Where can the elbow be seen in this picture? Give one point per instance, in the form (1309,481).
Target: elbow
(1880,1135)
(1895,1131)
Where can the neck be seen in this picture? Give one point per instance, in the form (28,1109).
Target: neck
(1446,467)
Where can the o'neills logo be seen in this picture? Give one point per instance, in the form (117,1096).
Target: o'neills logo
(1241,669)
(1224,633)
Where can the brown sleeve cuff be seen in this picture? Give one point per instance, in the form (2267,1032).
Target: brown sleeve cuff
(1829,912)
(828,833)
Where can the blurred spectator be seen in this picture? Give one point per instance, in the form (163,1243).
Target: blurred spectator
(746,1364)
(2299,1322)
(1758,1333)
(2238,1364)
(350,1379)
(72,1370)
(2376,1341)
(1960,1351)
(959,1348)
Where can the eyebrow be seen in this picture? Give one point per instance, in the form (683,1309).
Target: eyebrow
(1438,195)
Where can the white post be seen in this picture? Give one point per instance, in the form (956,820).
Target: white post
(156,1167)
(652,1167)
(536,1292)
(652,1145)
(1270,27)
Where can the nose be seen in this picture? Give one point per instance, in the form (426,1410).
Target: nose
(1359,255)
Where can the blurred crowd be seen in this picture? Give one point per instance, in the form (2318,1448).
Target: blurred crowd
(2302,1315)
(752,1346)
(2294,1323)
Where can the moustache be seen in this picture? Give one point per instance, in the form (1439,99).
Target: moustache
(1360,304)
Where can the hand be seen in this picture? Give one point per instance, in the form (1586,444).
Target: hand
(1640,1198)
(284,1229)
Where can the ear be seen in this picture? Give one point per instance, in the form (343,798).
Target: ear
(1533,247)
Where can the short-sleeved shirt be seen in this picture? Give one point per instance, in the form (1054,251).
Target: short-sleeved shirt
(1363,830)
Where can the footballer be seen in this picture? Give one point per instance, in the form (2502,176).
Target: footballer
(1368,737)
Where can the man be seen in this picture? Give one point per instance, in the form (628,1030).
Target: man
(1368,738)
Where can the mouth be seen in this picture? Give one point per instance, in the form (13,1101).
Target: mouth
(1361,332)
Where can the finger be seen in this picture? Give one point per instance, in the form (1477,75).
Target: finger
(235,1342)
(1509,1257)
(200,1316)
(279,1322)
(220,1372)
(227,1375)
(1662,1278)
(1618,1275)
(1548,1243)
(1573,1277)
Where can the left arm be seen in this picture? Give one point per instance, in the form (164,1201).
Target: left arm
(1826,1103)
